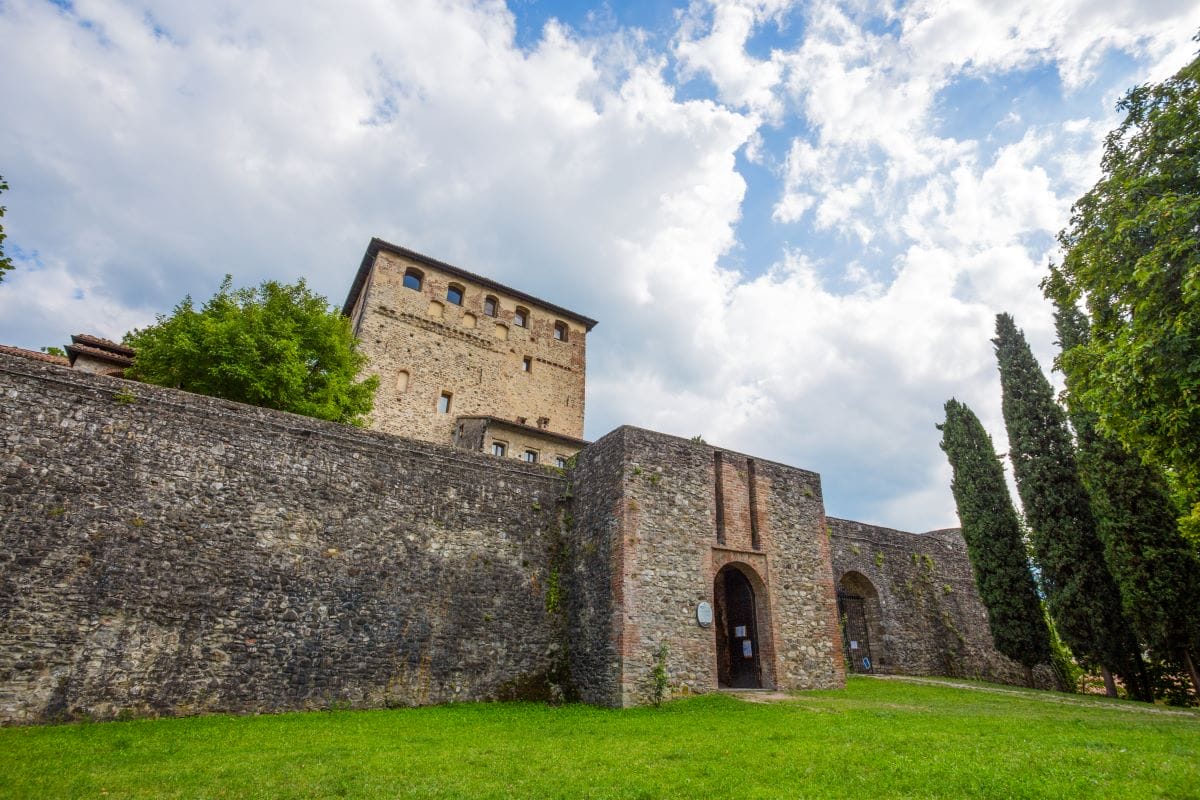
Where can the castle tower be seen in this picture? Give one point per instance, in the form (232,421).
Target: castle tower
(467,361)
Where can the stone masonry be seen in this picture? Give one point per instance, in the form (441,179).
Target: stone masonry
(167,553)
(923,610)
(497,352)
(645,523)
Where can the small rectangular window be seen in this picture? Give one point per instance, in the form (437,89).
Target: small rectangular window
(527,364)
(489,306)
(444,403)
(499,448)
(560,462)
(521,317)
(531,456)
(560,331)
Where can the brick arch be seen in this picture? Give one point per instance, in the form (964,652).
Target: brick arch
(856,593)
(763,641)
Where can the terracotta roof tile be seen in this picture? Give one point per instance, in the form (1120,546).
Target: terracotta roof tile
(119,359)
(103,344)
(34,355)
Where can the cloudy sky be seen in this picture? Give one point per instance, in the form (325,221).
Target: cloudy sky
(795,221)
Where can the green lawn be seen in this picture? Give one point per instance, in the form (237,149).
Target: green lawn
(876,739)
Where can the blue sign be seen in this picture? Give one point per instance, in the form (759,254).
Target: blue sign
(866,663)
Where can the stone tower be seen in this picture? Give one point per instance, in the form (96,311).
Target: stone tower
(465,360)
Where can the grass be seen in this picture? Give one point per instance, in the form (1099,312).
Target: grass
(876,739)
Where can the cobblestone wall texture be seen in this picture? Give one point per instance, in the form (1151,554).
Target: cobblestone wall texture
(166,553)
(646,506)
(926,616)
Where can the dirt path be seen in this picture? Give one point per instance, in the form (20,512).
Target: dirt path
(1028,694)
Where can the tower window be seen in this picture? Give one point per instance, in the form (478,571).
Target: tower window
(402,381)
(499,448)
(413,279)
(521,317)
(490,304)
(444,403)
(530,456)
(454,294)
(560,331)
(527,364)
(560,462)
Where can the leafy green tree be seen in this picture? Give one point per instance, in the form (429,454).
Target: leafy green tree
(1133,256)
(1157,572)
(1080,592)
(277,345)
(993,534)
(5,262)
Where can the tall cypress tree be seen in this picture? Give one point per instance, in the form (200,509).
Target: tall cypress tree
(1080,592)
(993,535)
(1155,569)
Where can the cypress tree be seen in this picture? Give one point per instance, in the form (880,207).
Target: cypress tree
(1157,572)
(1080,592)
(994,544)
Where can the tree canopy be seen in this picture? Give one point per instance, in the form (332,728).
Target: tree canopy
(277,345)
(1157,572)
(5,262)
(1132,255)
(1082,597)
(993,535)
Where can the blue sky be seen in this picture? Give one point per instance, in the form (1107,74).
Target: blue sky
(795,221)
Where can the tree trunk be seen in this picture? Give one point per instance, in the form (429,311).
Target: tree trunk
(1191,667)
(1110,685)
(1029,676)
(1145,689)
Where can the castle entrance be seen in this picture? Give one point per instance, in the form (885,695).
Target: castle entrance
(858,612)
(736,630)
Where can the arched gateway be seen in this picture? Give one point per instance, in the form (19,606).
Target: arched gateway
(739,664)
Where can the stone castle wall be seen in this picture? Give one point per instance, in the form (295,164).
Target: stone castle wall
(162,552)
(923,609)
(420,345)
(646,517)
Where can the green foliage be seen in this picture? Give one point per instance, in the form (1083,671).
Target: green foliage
(880,739)
(1133,256)
(54,351)
(278,345)
(1080,592)
(553,593)
(1156,570)
(698,439)
(5,262)
(993,536)
(659,675)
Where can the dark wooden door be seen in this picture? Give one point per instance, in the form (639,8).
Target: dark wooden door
(737,644)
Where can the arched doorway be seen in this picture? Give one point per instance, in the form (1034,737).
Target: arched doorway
(736,617)
(858,611)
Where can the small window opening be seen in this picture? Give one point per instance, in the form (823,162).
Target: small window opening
(560,462)
(444,403)
(521,317)
(413,279)
(402,381)
(490,304)
(527,364)
(530,456)
(499,448)
(560,331)
(454,294)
